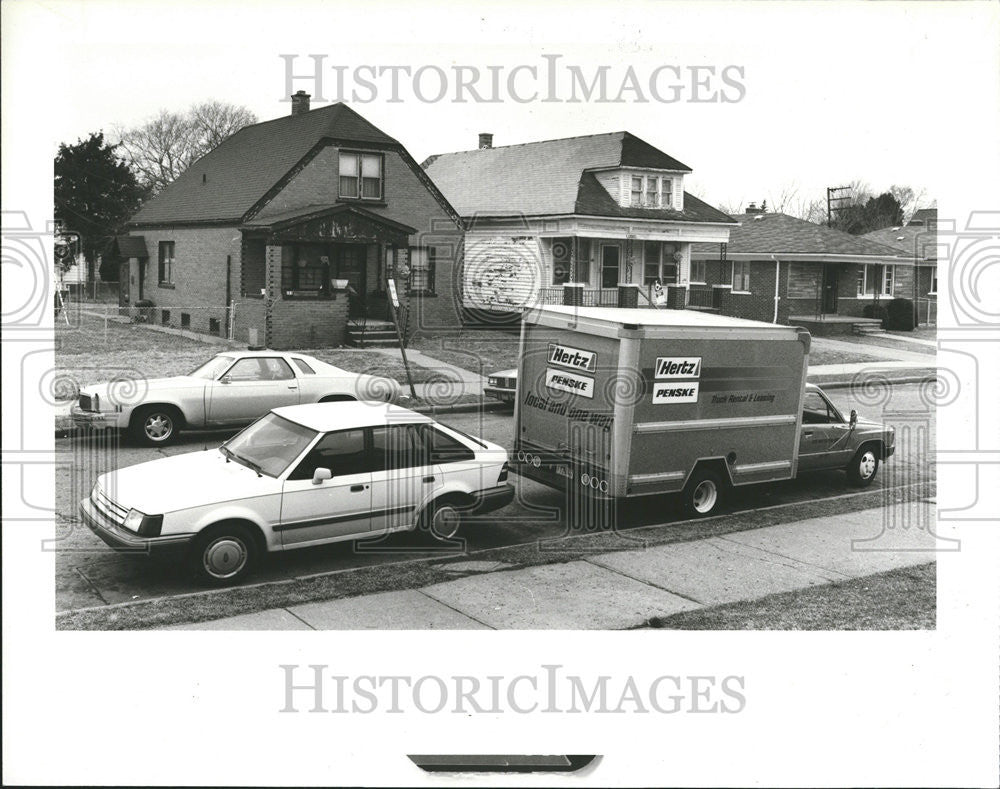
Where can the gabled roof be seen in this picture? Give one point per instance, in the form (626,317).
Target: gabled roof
(780,234)
(541,178)
(913,240)
(296,216)
(226,182)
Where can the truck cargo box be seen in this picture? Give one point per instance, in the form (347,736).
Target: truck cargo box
(630,402)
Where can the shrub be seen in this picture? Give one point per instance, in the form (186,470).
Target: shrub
(876,311)
(900,315)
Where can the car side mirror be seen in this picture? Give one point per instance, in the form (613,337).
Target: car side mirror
(854,417)
(225,379)
(320,475)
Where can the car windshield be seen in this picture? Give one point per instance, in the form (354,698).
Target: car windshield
(269,445)
(213,368)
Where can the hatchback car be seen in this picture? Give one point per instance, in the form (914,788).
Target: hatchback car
(300,476)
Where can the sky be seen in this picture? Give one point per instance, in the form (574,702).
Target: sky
(815,95)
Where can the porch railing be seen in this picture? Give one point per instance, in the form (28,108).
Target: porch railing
(594,297)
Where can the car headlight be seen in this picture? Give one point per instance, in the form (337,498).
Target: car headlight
(145,525)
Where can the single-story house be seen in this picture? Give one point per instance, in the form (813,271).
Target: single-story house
(288,233)
(585,215)
(781,269)
(917,239)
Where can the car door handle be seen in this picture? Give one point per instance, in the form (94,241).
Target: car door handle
(357,488)
(428,479)
(293,387)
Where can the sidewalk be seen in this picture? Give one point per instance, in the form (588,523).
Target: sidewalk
(625,589)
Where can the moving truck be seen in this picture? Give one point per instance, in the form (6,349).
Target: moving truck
(617,403)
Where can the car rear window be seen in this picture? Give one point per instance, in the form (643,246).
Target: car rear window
(303,366)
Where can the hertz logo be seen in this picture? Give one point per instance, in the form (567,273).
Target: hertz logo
(678,367)
(574,358)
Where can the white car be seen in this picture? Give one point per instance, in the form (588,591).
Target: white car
(300,476)
(231,388)
(502,385)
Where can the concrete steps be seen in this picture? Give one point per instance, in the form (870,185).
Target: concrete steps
(373,334)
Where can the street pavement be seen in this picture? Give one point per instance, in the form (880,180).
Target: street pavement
(625,589)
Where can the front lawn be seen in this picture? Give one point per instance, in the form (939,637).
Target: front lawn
(87,352)
(482,352)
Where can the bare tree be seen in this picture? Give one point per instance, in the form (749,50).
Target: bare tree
(166,145)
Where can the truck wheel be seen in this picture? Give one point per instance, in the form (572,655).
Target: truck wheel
(223,555)
(863,467)
(154,426)
(702,494)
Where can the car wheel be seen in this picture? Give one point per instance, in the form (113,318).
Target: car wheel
(702,494)
(863,467)
(442,519)
(155,426)
(224,555)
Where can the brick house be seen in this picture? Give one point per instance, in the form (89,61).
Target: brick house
(917,239)
(288,233)
(598,219)
(778,268)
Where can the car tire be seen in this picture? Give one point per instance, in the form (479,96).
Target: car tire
(702,494)
(863,466)
(155,426)
(224,555)
(442,519)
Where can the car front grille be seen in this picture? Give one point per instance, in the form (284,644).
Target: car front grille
(107,507)
(506,383)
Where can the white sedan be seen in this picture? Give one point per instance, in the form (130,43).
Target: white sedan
(231,388)
(300,476)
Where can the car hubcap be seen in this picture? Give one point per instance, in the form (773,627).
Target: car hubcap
(158,426)
(225,557)
(445,523)
(867,465)
(704,496)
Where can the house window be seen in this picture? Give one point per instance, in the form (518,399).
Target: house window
(698,271)
(875,280)
(361,175)
(561,260)
(165,317)
(213,326)
(166,260)
(423,265)
(741,275)
(185,320)
(636,190)
(933,290)
(304,267)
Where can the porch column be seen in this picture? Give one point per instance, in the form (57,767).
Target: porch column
(272,280)
(573,294)
(572,260)
(676,297)
(628,295)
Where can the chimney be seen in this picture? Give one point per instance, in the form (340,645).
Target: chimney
(485,140)
(753,208)
(300,102)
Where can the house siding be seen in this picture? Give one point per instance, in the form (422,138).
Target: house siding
(199,274)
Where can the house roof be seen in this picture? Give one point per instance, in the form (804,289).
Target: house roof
(924,216)
(783,235)
(229,180)
(296,216)
(129,247)
(916,241)
(554,177)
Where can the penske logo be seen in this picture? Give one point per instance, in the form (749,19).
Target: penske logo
(574,358)
(682,392)
(568,382)
(678,367)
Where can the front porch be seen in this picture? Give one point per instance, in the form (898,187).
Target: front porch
(313,277)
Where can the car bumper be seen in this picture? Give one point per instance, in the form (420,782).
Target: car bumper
(889,451)
(93,419)
(503,395)
(493,499)
(123,540)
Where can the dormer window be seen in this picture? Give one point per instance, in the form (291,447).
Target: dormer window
(650,191)
(361,175)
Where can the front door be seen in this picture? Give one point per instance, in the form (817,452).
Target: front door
(351,264)
(334,508)
(831,279)
(610,265)
(249,389)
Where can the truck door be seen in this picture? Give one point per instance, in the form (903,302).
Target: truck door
(824,434)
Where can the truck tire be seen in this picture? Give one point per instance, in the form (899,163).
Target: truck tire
(702,494)
(224,554)
(155,425)
(864,466)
